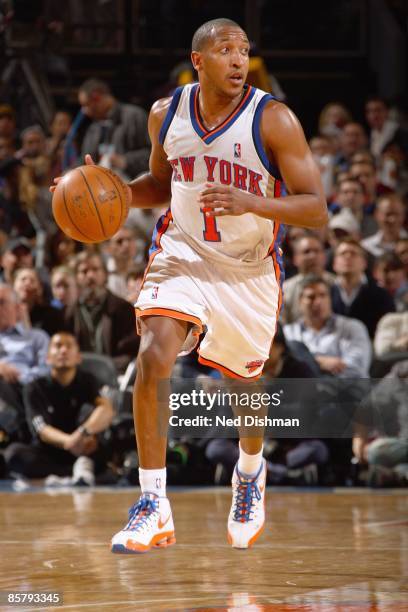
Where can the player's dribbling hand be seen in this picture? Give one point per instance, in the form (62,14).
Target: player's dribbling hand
(89,162)
(218,201)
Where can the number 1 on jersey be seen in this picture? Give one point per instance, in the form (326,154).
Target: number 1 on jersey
(210,233)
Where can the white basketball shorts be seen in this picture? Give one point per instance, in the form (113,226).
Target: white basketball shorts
(237,305)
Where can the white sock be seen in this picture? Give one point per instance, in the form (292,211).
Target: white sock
(249,465)
(153,481)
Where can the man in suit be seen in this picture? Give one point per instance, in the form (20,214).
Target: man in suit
(101,321)
(117,135)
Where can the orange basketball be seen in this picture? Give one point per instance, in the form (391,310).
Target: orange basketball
(90,204)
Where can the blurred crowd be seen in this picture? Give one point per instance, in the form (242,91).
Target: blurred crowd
(68,338)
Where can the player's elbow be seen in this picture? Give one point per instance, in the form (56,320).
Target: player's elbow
(320,218)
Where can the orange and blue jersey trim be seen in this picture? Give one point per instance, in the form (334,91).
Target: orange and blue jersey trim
(256,137)
(274,250)
(161,227)
(208,136)
(170,114)
(278,191)
(225,370)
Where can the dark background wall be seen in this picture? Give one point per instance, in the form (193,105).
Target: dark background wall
(319,50)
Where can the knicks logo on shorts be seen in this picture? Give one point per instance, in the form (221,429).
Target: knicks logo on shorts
(237,150)
(155,291)
(251,366)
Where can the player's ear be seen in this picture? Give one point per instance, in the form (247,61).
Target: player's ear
(196,59)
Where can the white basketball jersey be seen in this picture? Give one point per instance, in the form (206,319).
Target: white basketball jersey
(231,154)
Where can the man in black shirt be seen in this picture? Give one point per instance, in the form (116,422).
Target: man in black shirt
(353,293)
(65,412)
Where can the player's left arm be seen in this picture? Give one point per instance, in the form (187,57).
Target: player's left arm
(284,140)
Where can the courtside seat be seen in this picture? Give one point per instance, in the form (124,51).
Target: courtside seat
(102,367)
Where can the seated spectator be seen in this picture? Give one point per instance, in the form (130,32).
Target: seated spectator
(366,173)
(363,157)
(117,136)
(353,294)
(342,225)
(392,334)
(389,272)
(340,345)
(352,139)
(7,148)
(58,129)
(283,363)
(60,249)
(8,123)
(134,281)
(389,214)
(332,119)
(34,310)
(64,289)
(121,249)
(33,143)
(14,179)
(292,235)
(16,254)
(101,321)
(66,411)
(23,351)
(309,258)
(323,153)
(401,250)
(383,130)
(384,445)
(34,188)
(350,195)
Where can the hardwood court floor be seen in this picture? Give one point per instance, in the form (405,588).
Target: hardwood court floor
(346,550)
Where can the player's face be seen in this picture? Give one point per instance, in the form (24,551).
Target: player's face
(224,61)
(63,352)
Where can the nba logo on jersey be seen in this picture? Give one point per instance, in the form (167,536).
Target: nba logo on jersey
(237,150)
(155,291)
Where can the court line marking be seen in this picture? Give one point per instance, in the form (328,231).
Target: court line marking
(387,523)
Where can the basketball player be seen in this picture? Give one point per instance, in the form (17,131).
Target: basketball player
(235,164)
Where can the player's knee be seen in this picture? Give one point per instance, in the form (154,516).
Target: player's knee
(153,361)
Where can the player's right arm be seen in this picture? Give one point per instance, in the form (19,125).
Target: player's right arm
(152,189)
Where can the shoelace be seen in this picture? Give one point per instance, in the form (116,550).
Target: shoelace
(140,513)
(247,490)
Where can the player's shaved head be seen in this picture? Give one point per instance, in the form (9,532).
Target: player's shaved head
(209,29)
